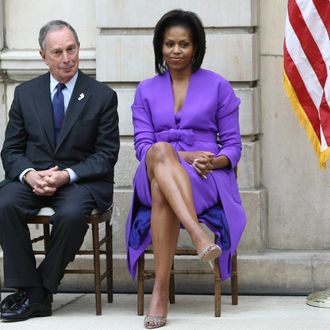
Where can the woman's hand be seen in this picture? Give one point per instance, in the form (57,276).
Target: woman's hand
(202,161)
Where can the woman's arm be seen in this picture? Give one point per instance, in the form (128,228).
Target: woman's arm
(229,135)
(221,162)
(228,127)
(144,135)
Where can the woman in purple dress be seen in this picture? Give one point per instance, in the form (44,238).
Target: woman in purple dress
(187,139)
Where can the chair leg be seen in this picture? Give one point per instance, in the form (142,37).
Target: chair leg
(46,236)
(109,261)
(140,284)
(234,280)
(97,272)
(217,289)
(172,285)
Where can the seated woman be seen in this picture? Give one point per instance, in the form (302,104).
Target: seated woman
(187,139)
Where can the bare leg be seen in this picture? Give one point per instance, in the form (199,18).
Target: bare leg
(165,232)
(172,203)
(164,167)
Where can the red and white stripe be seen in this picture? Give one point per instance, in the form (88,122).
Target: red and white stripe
(307,62)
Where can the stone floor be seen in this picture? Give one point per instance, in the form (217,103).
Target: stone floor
(76,311)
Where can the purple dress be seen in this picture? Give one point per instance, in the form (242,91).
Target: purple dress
(210,108)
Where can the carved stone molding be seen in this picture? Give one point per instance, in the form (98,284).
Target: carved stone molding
(21,65)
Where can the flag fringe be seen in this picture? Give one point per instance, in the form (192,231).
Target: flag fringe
(324,155)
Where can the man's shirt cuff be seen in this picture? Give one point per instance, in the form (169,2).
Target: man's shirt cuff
(21,176)
(73,176)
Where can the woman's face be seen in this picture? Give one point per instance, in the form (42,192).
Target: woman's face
(178,48)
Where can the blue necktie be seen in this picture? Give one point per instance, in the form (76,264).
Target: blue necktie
(58,110)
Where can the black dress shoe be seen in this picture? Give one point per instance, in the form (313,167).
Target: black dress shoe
(25,309)
(12,299)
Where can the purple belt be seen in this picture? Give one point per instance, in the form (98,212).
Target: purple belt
(187,136)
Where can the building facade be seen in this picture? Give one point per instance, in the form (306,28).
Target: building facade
(285,248)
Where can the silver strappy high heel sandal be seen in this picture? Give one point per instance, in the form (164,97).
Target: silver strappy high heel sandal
(153,322)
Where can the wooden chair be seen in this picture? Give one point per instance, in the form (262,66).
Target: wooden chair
(94,220)
(150,273)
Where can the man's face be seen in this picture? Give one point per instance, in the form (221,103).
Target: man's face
(61,54)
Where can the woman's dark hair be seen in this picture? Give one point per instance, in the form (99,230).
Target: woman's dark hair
(186,19)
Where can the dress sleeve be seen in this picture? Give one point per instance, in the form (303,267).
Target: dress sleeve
(228,124)
(144,136)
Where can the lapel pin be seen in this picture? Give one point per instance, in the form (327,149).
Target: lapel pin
(81,96)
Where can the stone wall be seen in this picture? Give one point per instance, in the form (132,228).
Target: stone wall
(285,246)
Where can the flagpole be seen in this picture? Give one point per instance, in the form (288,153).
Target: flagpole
(319,299)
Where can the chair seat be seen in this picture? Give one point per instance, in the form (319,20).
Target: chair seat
(48,212)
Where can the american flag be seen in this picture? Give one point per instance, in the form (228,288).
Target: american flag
(306,69)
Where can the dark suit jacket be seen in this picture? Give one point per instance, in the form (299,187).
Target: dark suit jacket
(89,140)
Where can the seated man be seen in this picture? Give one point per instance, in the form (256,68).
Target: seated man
(61,145)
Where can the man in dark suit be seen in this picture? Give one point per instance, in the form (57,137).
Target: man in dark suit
(61,145)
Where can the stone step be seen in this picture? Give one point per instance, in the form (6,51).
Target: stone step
(272,272)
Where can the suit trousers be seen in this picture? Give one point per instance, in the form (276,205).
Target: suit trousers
(72,204)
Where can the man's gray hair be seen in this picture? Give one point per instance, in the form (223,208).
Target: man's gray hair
(53,26)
